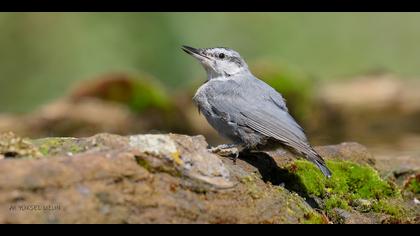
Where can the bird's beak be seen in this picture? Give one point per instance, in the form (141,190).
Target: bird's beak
(195,53)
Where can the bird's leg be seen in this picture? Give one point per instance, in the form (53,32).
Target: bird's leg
(228,150)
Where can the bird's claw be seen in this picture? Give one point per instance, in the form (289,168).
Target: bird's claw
(226,150)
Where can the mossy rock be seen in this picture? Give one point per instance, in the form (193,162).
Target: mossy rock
(412,184)
(68,146)
(352,187)
(58,146)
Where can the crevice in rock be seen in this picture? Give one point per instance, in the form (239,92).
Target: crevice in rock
(276,175)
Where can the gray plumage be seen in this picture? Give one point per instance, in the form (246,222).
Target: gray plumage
(245,109)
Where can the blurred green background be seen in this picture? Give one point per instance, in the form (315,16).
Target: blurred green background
(42,54)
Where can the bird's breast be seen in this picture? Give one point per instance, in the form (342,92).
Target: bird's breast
(202,99)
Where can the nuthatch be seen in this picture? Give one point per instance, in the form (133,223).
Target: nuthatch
(245,109)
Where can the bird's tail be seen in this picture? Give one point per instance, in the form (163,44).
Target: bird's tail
(314,157)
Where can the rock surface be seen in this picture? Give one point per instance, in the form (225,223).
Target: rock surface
(158,179)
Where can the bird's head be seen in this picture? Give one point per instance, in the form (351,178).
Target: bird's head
(219,61)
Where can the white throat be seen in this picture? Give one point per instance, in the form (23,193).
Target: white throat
(212,75)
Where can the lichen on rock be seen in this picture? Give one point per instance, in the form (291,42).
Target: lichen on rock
(13,146)
(55,146)
(187,154)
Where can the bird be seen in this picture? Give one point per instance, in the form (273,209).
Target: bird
(245,109)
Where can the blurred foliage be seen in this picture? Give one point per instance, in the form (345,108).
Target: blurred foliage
(150,102)
(139,92)
(295,86)
(146,95)
(44,53)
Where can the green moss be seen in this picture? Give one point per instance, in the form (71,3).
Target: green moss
(251,186)
(310,215)
(75,148)
(143,163)
(48,144)
(157,166)
(350,182)
(56,146)
(334,201)
(413,185)
(388,207)
(313,218)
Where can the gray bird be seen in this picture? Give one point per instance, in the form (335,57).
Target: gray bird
(245,109)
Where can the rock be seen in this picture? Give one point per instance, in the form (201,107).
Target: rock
(159,178)
(188,154)
(348,151)
(373,92)
(140,179)
(353,217)
(362,205)
(12,146)
(373,109)
(68,118)
(82,113)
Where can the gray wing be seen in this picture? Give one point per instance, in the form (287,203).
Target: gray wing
(254,104)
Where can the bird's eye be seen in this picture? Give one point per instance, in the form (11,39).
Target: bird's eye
(221,55)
